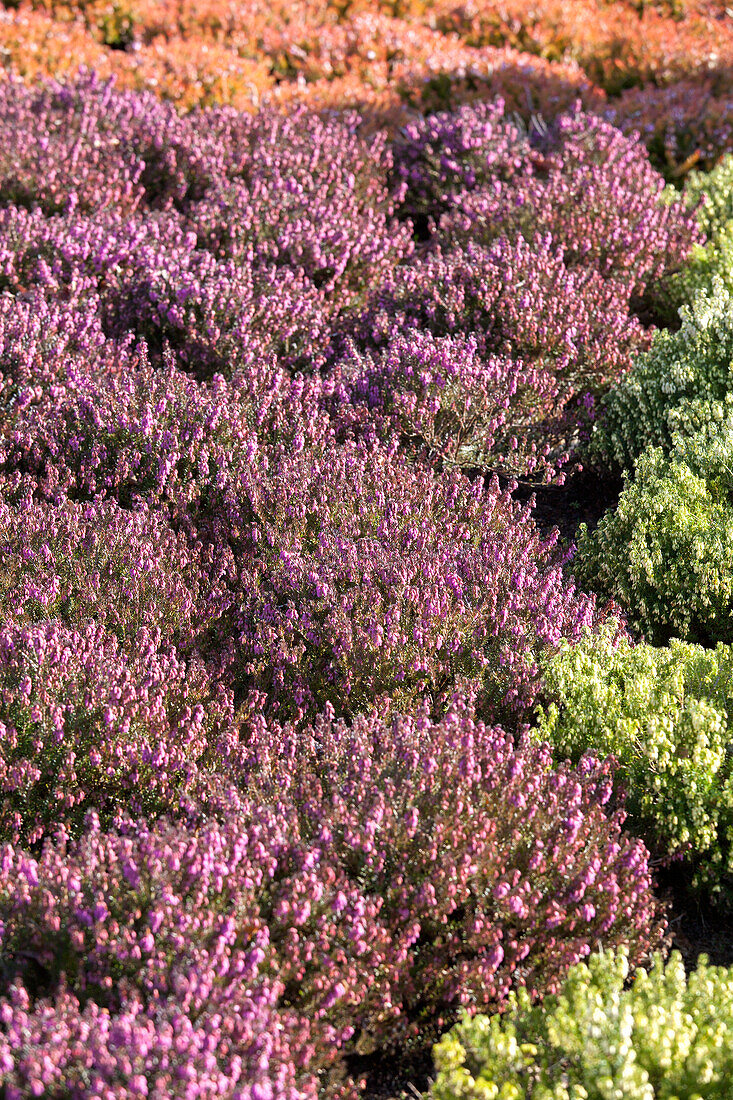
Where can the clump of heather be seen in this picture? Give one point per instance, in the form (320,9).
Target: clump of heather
(563,334)
(493,869)
(153,437)
(217,316)
(129,571)
(146,279)
(86,726)
(443,155)
(475,174)
(85,146)
(367,581)
(41,342)
(297,201)
(341,903)
(356,577)
(311,195)
(133,975)
(438,392)
(594,191)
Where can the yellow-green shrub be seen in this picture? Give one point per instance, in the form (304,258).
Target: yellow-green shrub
(666,552)
(666,714)
(674,387)
(666,1037)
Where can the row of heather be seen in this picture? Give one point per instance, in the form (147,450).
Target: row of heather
(277,638)
(662,67)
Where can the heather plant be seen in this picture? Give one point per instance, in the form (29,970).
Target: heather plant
(665,1036)
(594,191)
(619,46)
(665,554)
(442,156)
(129,571)
(86,727)
(218,316)
(40,343)
(149,985)
(551,325)
(680,384)
(368,582)
(83,145)
(145,279)
(684,125)
(664,714)
(340,883)
(356,576)
(310,195)
(47,162)
(152,437)
(438,393)
(76,258)
(290,191)
(505,894)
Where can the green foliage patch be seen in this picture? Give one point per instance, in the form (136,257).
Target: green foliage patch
(666,714)
(666,1037)
(666,552)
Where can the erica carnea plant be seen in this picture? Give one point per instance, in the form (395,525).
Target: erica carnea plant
(594,191)
(366,581)
(335,900)
(541,329)
(84,726)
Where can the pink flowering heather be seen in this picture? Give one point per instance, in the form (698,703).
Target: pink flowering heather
(150,987)
(440,393)
(85,146)
(85,726)
(312,197)
(598,196)
(40,342)
(682,124)
(552,336)
(443,155)
(367,882)
(297,192)
(217,315)
(152,437)
(367,581)
(129,571)
(145,278)
(355,576)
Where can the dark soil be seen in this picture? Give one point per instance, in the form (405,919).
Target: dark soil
(696,927)
(585,496)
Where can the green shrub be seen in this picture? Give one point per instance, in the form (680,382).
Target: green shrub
(711,193)
(705,263)
(666,714)
(666,1037)
(684,381)
(666,552)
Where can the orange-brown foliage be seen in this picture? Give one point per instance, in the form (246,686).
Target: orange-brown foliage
(666,64)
